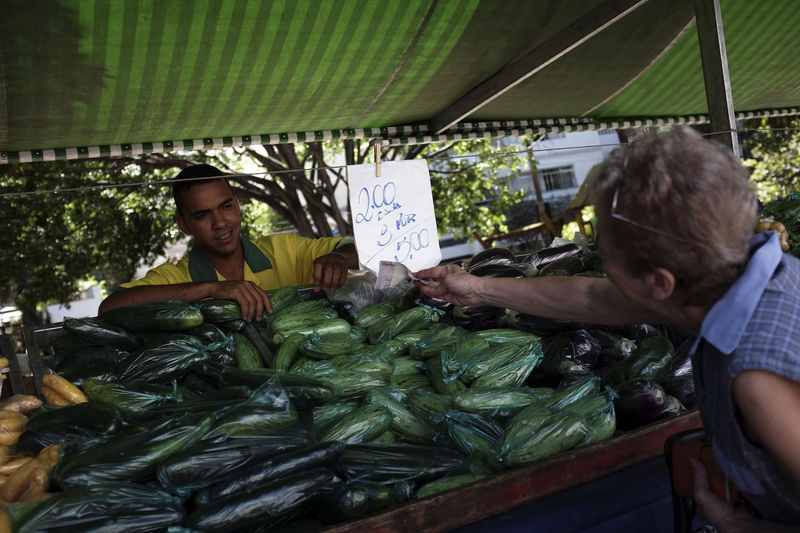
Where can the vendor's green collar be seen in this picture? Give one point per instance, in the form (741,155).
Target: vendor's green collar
(200,268)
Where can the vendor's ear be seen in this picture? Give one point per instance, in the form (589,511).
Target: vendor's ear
(659,283)
(182,224)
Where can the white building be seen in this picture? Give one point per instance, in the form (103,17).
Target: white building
(563,161)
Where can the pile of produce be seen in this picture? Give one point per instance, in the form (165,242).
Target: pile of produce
(187,424)
(783,217)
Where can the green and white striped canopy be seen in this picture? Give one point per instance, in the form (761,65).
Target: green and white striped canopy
(84,78)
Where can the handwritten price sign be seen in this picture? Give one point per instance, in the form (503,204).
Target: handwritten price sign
(393,218)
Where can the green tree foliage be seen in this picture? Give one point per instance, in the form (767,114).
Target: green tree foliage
(775,161)
(469,181)
(51,241)
(108,216)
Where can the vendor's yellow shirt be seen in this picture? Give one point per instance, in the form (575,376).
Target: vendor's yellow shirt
(270,262)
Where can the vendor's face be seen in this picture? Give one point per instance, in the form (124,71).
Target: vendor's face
(210,214)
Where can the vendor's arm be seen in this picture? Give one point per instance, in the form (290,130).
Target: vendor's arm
(570,298)
(253,301)
(330,270)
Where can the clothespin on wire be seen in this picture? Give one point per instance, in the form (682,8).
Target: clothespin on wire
(377,146)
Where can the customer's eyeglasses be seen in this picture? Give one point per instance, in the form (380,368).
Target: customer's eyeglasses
(623,218)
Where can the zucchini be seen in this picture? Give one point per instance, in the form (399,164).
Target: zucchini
(371,314)
(362,424)
(432,406)
(224,313)
(246,355)
(265,505)
(154,315)
(129,399)
(404,421)
(496,401)
(447,483)
(351,501)
(101,332)
(310,325)
(324,415)
(557,433)
(514,371)
(276,467)
(416,318)
(167,359)
(302,390)
(327,345)
(393,463)
(283,297)
(205,463)
(118,506)
(477,436)
(435,373)
(82,421)
(288,352)
(131,455)
(651,359)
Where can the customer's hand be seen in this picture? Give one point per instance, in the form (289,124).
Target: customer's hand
(451,283)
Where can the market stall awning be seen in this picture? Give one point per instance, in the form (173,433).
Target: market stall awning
(83,78)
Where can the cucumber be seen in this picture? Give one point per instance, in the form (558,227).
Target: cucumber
(166,314)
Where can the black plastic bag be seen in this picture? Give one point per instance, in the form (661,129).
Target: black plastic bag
(276,467)
(570,354)
(163,362)
(130,455)
(205,463)
(59,425)
(125,507)
(264,506)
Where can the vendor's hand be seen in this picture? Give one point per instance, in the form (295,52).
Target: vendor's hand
(330,271)
(253,301)
(714,509)
(451,283)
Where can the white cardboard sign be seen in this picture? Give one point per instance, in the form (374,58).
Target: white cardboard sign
(393,217)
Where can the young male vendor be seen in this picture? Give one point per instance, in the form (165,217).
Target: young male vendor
(222,264)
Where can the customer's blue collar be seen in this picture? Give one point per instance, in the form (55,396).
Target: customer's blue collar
(725,324)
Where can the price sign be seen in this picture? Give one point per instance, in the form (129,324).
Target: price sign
(393,218)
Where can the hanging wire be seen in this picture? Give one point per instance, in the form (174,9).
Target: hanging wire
(161,183)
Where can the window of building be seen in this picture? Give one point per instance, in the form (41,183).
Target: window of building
(606,132)
(558,178)
(551,136)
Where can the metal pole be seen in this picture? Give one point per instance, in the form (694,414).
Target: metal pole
(715,73)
